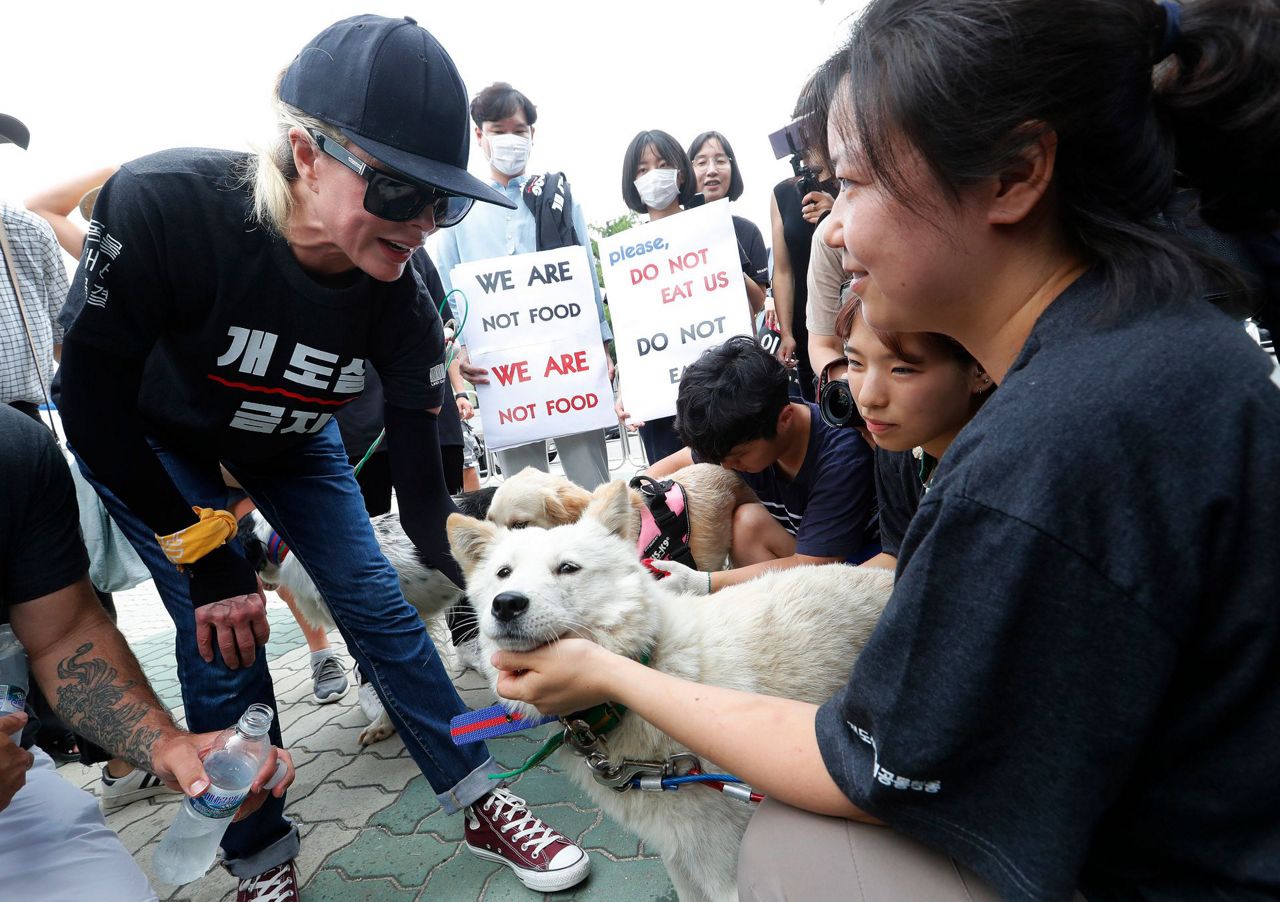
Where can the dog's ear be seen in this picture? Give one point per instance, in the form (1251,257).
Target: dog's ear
(566,503)
(469,538)
(611,506)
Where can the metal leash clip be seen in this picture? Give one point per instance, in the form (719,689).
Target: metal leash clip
(580,737)
(627,773)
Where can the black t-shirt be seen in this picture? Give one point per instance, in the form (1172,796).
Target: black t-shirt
(1074,683)
(40,546)
(798,234)
(898,490)
(751,250)
(246,354)
(362,420)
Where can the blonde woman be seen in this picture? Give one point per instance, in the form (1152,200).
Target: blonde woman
(229,307)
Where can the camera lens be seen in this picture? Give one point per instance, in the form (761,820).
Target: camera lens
(837,405)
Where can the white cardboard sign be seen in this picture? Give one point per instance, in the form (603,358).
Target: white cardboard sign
(532,323)
(675,289)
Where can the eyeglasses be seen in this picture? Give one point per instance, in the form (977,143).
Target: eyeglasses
(717,162)
(395,199)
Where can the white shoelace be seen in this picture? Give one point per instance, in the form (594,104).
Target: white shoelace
(526,827)
(275,889)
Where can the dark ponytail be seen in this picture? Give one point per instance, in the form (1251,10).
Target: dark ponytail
(971,83)
(1219,92)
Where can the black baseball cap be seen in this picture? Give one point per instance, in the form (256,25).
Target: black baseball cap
(393,91)
(12,131)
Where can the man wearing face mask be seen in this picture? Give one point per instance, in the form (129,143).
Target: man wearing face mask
(504,120)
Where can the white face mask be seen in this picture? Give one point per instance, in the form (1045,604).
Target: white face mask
(658,188)
(509,154)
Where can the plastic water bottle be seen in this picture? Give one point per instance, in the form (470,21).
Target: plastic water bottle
(13,675)
(191,843)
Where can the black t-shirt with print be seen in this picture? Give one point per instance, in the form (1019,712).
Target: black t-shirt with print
(40,546)
(362,420)
(246,354)
(1074,682)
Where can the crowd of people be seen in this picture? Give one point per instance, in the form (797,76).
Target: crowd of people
(992,317)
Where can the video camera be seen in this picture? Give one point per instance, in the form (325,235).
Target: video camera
(790,141)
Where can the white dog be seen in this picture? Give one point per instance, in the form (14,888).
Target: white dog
(427,589)
(794,633)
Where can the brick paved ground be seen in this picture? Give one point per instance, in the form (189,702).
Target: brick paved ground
(371,826)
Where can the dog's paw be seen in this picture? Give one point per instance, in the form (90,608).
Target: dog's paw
(377,731)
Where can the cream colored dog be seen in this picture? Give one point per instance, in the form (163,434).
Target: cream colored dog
(794,633)
(534,498)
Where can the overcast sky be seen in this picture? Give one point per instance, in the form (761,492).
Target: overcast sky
(99,83)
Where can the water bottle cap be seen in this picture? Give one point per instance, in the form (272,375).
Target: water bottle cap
(256,721)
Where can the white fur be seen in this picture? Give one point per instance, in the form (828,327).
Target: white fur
(794,633)
(428,590)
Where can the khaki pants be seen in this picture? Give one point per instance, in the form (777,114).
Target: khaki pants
(583,457)
(788,854)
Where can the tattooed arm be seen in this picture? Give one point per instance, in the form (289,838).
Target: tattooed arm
(89,674)
(86,669)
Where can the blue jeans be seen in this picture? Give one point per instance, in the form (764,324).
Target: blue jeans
(312,500)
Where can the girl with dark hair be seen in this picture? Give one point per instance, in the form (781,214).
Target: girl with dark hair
(1072,690)
(914,392)
(716,169)
(657,179)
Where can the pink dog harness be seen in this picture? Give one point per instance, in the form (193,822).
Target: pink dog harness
(664,521)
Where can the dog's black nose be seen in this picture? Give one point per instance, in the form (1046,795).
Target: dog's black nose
(507,606)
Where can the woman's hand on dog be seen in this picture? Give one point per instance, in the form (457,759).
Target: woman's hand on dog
(683,580)
(560,678)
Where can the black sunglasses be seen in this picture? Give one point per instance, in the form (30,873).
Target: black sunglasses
(395,199)
(835,399)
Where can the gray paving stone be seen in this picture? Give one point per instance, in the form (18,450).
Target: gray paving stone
(312,773)
(367,770)
(609,834)
(307,724)
(412,807)
(320,842)
(143,830)
(351,807)
(406,859)
(332,886)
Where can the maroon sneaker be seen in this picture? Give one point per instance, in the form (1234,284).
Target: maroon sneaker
(501,828)
(280,884)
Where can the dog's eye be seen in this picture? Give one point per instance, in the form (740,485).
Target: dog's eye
(520,524)
(568,567)
(504,572)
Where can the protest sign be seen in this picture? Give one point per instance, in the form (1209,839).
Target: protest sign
(531,321)
(675,289)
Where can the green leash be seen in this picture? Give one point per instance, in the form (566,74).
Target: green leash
(601,719)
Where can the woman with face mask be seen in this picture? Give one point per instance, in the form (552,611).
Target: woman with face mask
(657,179)
(716,169)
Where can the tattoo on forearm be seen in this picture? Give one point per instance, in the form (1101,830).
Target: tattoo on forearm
(91,698)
